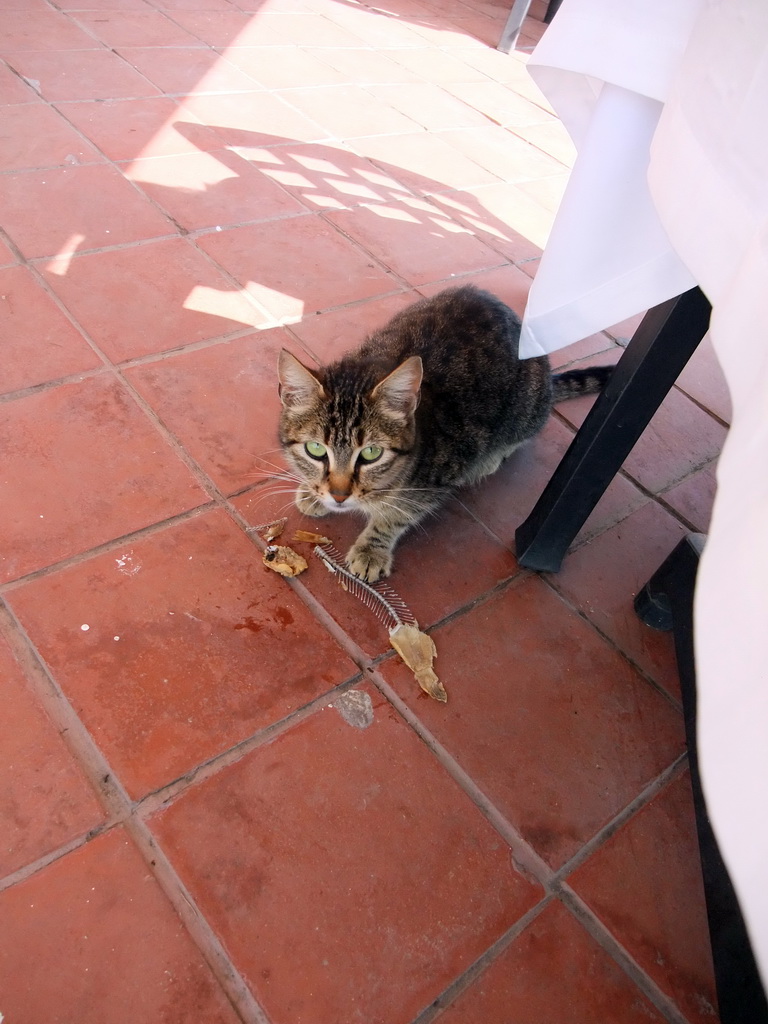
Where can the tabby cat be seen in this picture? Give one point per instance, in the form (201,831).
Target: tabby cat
(434,400)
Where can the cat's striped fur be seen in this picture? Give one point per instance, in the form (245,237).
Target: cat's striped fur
(434,400)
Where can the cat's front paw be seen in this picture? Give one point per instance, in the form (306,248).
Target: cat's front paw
(309,505)
(369,563)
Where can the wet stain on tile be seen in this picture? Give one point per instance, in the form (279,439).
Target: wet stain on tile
(249,623)
(283,616)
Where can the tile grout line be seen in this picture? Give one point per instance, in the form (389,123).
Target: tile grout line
(180,231)
(86,752)
(218,499)
(659,496)
(287,324)
(373,86)
(367,253)
(203,480)
(139,243)
(155,801)
(40,863)
(199,929)
(95,768)
(119,366)
(603,835)
(525,859)
(648,495)
(153,357)
(532,866)
(676,704)
(121,812)
(661,501)
(704,408)
(405,284)
(114,544)
(589,921)
(478,967)
(49,385)
(516,579)
(607,941)
(532,863)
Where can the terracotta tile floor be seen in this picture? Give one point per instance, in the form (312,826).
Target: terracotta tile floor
(222,796)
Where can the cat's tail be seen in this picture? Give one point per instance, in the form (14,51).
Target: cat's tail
(573,383)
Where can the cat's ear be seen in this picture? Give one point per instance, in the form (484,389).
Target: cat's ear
(299,388)
(400,390)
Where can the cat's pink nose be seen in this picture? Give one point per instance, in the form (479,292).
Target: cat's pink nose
(339,487)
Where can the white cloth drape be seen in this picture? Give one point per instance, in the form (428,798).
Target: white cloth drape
(606,68)
(668,107)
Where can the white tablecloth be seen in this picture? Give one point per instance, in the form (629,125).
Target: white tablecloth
(667,104)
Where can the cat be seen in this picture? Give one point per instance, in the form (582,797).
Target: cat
(434,400)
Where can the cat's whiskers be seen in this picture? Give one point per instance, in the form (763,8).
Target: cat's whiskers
(267,464)
(286,478)
(399,489)
(277,489)
(273,488)
(395,519)
(271,505)
(401,497)
(281,467)
(465,507)
(276,478)
(269,451)
(269,493)
(401,507)
(282,472)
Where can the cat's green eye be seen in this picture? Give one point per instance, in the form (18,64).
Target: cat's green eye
(315,449)
(371,452)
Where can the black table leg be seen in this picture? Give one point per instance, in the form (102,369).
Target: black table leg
(552,8)
(657,352)
(666,602)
